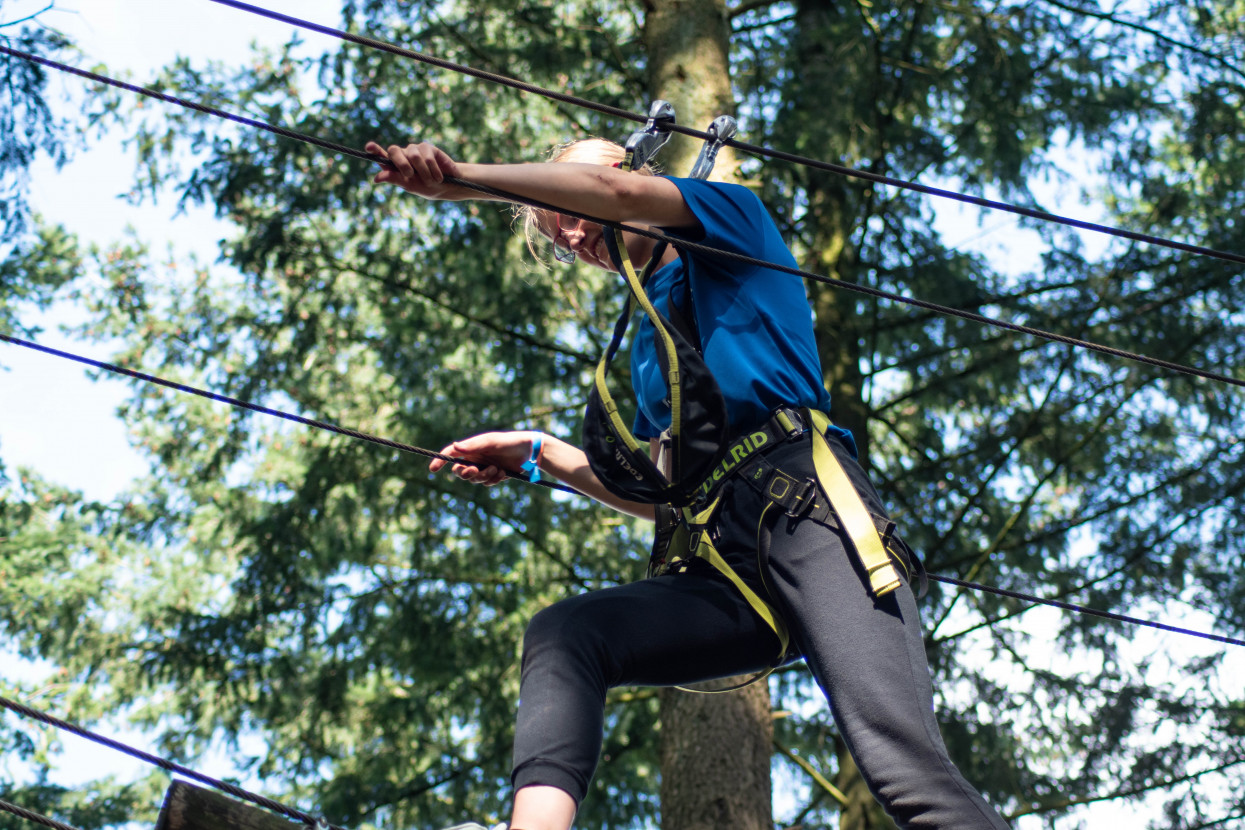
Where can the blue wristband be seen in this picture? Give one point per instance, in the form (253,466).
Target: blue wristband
(532,465)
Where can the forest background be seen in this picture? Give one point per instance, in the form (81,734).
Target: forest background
(344,629)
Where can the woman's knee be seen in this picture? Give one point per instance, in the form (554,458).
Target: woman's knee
(564,633)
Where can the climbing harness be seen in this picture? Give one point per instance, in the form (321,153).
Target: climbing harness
(696,455)
(689,534)
(830,499)
(699,425)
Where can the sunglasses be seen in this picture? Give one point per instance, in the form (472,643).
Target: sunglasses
(561,248)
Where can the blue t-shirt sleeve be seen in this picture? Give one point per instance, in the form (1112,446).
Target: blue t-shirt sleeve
(755,323)
(731,217)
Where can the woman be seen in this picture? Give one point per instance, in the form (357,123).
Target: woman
(756,334)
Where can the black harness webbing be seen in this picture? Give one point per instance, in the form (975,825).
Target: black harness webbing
(829,498)
(685,489)
(699,422)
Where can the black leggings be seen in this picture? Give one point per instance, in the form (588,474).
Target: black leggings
(867,656)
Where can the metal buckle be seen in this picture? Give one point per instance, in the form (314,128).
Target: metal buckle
(788,422)
(803,500)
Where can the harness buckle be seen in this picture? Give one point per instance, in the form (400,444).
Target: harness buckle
(803,499)
(788,423)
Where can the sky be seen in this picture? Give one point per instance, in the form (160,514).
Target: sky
(53,417)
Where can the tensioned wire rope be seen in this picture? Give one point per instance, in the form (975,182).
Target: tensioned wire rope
(753,149)
(823,165)
(684,244)
(345,150)
(163,763)
(397,445)
(276,806)
(264,410)
(33,817)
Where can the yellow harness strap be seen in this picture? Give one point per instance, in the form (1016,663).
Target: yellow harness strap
(851,511)
(701,545)
(692,535)
(691,538)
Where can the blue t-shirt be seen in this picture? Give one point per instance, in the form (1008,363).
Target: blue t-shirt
(756,324)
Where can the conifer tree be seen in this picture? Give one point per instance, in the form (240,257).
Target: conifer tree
(359,622)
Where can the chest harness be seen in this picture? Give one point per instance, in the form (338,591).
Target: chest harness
(697,453)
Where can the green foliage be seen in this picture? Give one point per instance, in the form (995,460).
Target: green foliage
(32,272)
(1015,463)
(349,627)
(27,125)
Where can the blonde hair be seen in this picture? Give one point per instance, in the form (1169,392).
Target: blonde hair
(581,151)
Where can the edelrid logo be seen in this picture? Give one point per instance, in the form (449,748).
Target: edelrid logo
(743,448)
(626,465)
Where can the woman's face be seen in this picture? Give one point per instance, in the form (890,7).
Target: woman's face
(577,239)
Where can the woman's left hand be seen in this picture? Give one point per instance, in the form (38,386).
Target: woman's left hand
(491,455)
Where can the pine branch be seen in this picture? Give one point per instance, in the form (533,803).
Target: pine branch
(1154,33)
(1068,803)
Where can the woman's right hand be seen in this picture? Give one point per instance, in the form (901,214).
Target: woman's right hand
(420,169)
(489,456)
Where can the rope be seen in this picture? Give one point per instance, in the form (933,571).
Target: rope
(690,246)
(32,816)
(182,102)
(878,293)
(752,149)
(652,234)
(162,763)
(441,63)
(253,407)
(552,485)
(1080,609)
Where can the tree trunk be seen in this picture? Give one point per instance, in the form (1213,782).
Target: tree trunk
(687,42)
(715,758)
(862,811)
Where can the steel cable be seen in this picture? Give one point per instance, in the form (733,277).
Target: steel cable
(1081,609)
(877,293)
(164,763)
(753,149)
(254,407)
(691,246)
(652,234)
(350,433)
(36,818)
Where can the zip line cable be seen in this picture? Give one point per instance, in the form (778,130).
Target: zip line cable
(182,102)
(1067,606)
(691,246)
(36,818)
(264,410)
(1080,609)
(876,293)
(165,764)
(752,149)
(646,232)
